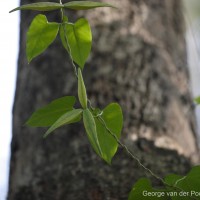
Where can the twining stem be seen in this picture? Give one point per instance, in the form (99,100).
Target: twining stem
(101,120)
(128,151)
(70,54)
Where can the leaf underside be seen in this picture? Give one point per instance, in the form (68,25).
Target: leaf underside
(42,6)
(82,95)
(67,118)
(85,5)
(74,5)
(48,114)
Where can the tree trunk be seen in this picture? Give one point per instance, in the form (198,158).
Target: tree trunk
(138,60)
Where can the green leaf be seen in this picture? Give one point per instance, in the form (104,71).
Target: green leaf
(42,6)
(143,190)
(68,118)
(74,5)
(191,182)
(91,131)
(81,90)
(85,5)
(79,38)
(197,100)
(174,180)
(47,115)
(113,118)
(40,35)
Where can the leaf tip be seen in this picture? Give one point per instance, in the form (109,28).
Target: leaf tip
(12,10)
(45,135)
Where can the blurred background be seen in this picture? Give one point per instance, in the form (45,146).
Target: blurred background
(9,39)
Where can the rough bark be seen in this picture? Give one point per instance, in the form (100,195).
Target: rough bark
(138,59)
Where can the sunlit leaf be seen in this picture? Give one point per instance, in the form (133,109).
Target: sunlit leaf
(113,118)
(42,6)
(47,115)
(173,179)
(84,5)
(143,190)
(40,35)
(79,38)
(91,131)
(68,118)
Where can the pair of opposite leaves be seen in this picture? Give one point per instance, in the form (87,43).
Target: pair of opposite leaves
(61,112)
(76,36)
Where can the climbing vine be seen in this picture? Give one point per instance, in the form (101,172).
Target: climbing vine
(103,127)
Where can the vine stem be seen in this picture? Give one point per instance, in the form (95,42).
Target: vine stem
(129,152)
(109,131)
(101,120)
